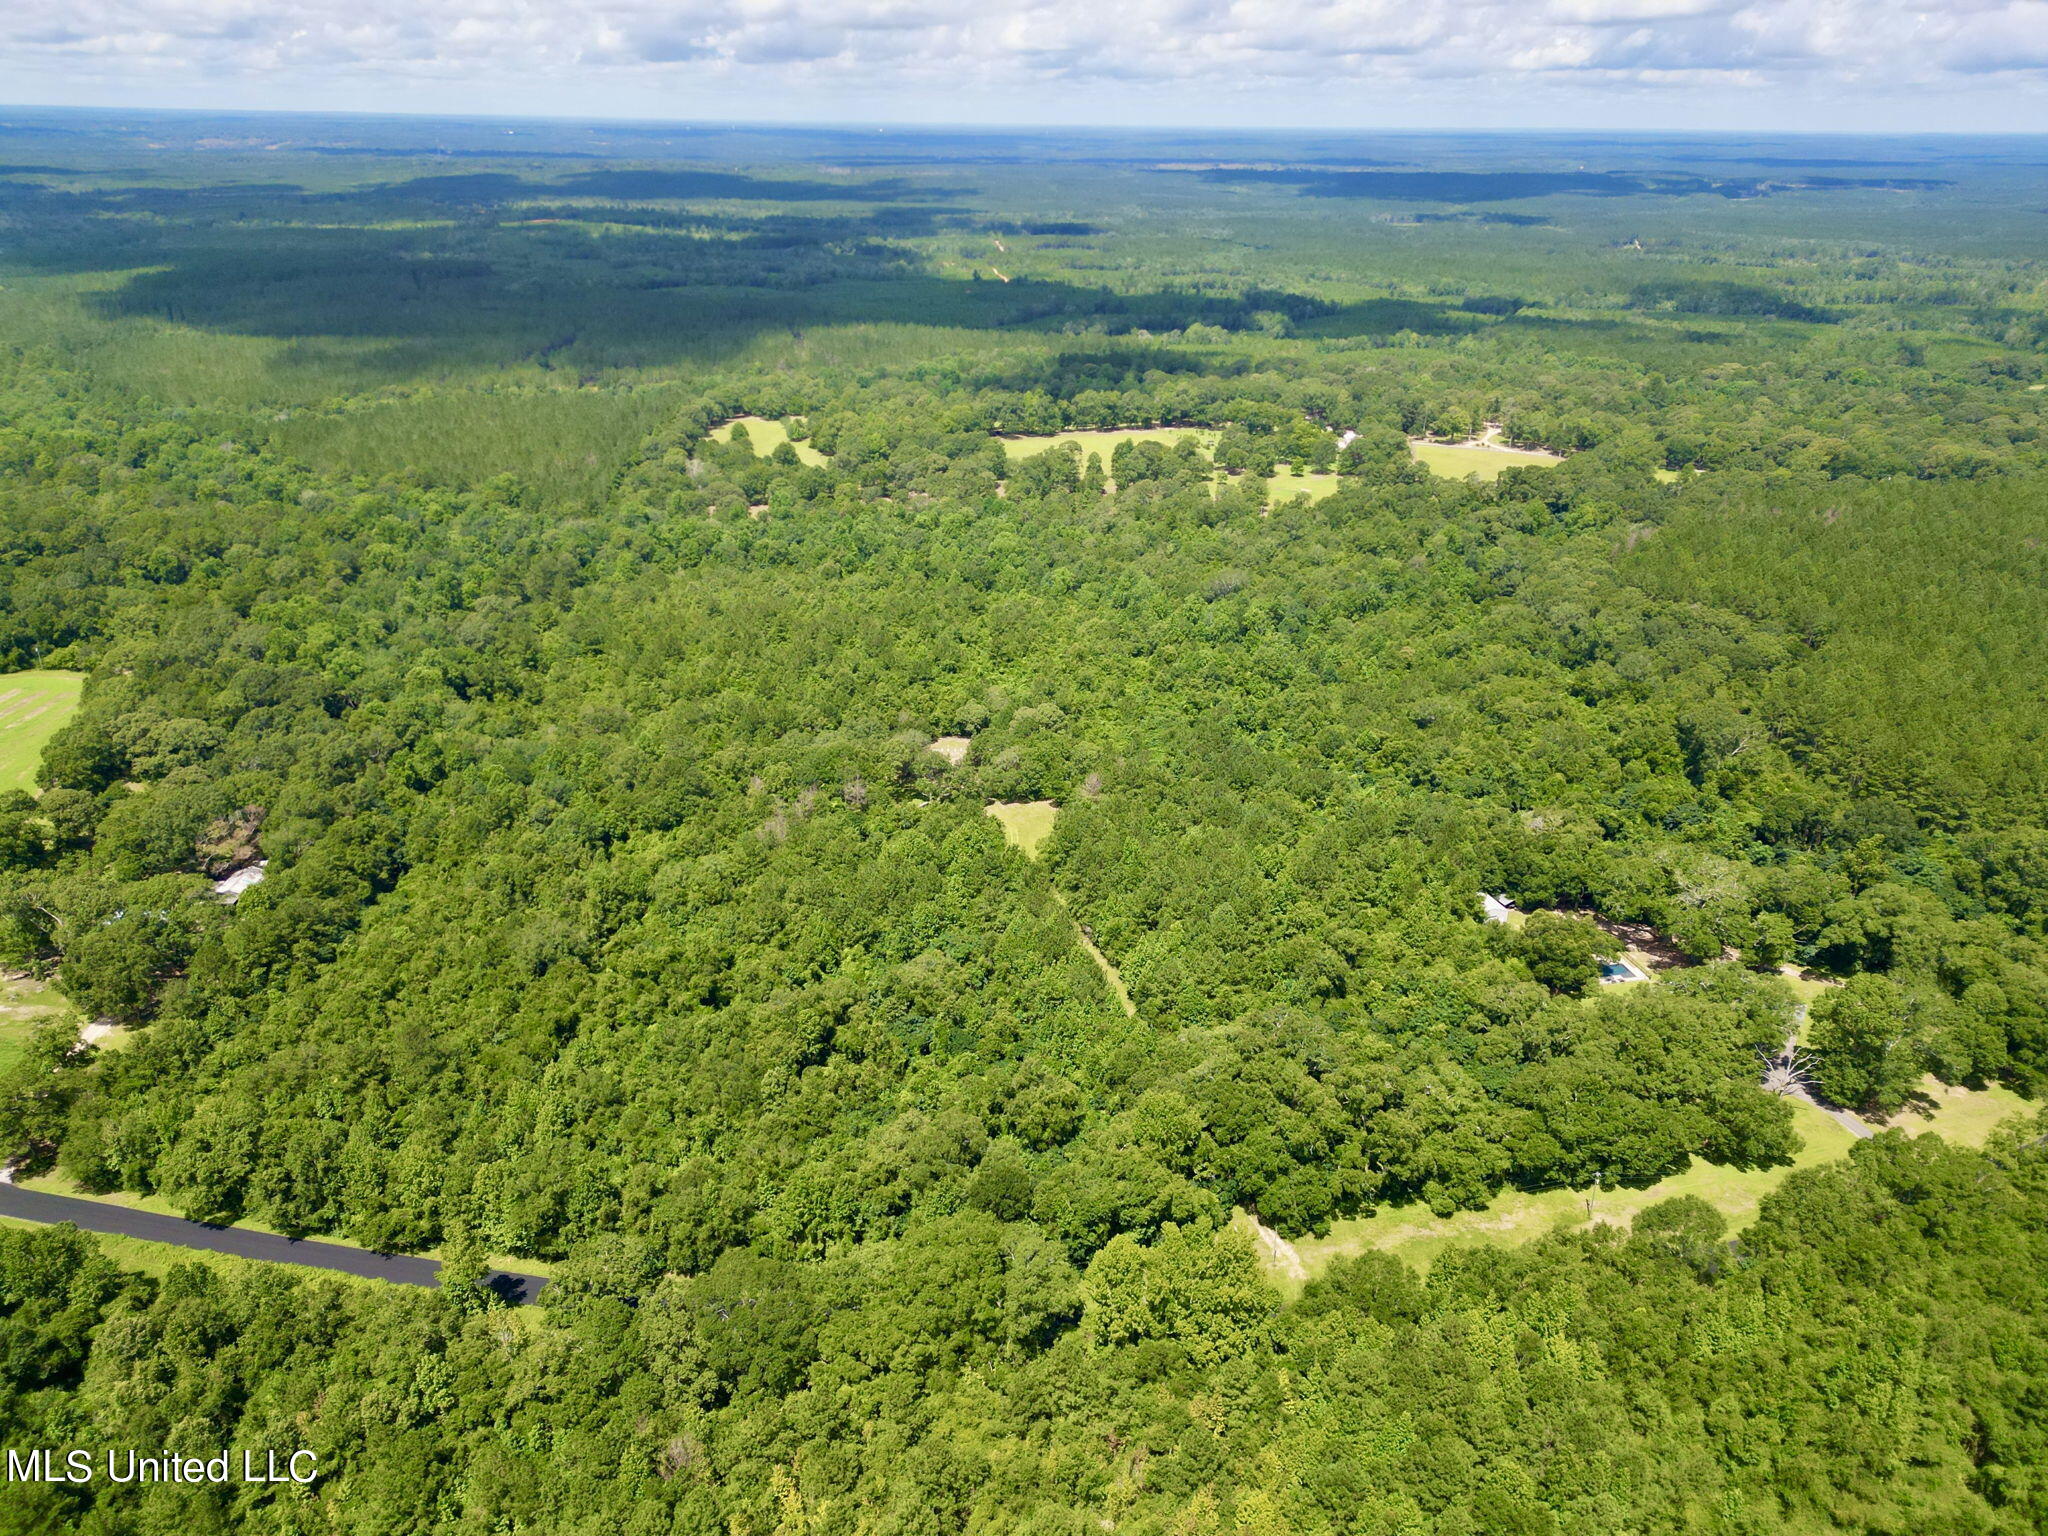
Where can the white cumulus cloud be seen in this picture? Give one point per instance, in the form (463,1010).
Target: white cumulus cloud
(1166,60)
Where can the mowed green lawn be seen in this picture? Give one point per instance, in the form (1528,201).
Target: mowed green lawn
(32,706)
(1105,443)
(1456,463)
(767,436)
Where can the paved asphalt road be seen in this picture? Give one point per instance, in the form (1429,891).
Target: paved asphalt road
(93,1216)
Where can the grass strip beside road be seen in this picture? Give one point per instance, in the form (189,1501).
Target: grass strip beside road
(133,1221)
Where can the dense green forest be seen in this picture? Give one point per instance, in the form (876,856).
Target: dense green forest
(1862,1359)
(617,912)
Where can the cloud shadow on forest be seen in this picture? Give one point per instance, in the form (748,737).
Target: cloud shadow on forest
(492,270)
(651,287)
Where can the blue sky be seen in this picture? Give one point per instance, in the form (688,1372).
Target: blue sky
(1840,65)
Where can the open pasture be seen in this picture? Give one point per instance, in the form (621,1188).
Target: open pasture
(32,707)
(1459,461)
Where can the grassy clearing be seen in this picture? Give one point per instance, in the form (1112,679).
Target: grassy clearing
(1416,1235)
(112,1038)
(62,1184)
(1026,823)
(1288,483)
(14,1035)
(1965,1116)
(1457,462)
(767,436)
(32,706)
(25,1004)
(1105,443)
(1807,989)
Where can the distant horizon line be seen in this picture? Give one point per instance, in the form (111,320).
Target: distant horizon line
(887,125)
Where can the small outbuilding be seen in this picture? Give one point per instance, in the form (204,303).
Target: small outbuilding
(1498,909)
